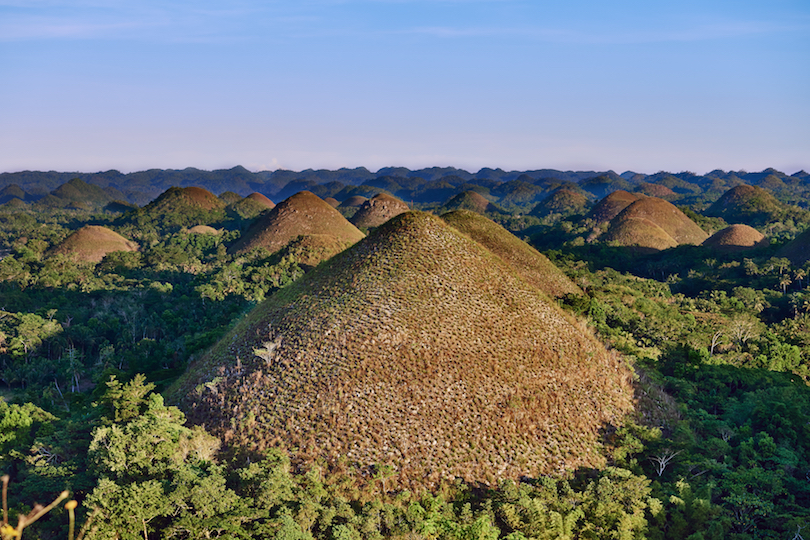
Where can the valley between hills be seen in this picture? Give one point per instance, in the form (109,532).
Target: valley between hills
(438,354)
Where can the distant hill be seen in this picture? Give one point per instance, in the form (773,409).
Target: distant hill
(377,210)
(653,223)
(656,190)
(750,205)
(470,200)
(91,243)
(639,233)
(302,214)
(250,206)
(563,201)
(416,348)
(736,238)
(177,208)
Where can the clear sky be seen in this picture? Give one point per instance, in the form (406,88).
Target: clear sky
(90,85)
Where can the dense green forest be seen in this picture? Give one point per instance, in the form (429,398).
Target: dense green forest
(719,445)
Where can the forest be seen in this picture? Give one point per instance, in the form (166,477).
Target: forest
(92,345)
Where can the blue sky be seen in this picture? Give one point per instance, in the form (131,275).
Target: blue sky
(90,85)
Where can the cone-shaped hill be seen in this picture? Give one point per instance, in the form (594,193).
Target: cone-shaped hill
(531,265)
(377,210)
(175,197)
(303,214)
(416,348)
(261,199)
(177,208)
(203,229)
(642,223)
(610,206)
(355,201)
(91,243)
(736,238)
(563,201)
(250,206)
(751,205)
(470,200)
(798,249)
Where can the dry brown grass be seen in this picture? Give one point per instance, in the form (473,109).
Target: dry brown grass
(92,243)
(610,207)
(470,200)
(638,232)
(418,348)
(531,265)
(735,238)
(666,216)
(303,214)
(377,210)
(261,199)
(331,201)
(743,199)
(655,190)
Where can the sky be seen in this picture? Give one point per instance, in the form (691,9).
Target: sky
(92,85)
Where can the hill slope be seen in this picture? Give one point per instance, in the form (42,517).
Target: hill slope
(736,237)
(666,216)
(610,206)
(91,243)
(302,214)
(419,349)
(377,210)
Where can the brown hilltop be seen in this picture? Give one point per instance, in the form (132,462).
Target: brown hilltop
(196,197)
(610,207)
(736,238)
(530,264)
(655,190)
(331,201)
(798,249)
(355,201)
(91,243)
(640,233)
(416,348)
(203,229)
(261,199)
(302,214)
(377,210)
(666,216)
(745,203)
(470,200)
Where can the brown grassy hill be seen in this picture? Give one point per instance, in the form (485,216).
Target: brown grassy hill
(667,216)
(377,210)
(203,229)
(610,207)
(798,249)
(655,190)
(195,197)
(419,349)
(302,214)
(355,201)
(735,238)
(470,200)
(638,232)
(91,243)
(530,264)
(261,199)
(563,201)
(333,202)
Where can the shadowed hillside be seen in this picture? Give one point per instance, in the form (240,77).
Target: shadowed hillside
(302,214)
(563,201)
(91,243)
(640,233)
(377,210)
(798,249)
(751,205)
(470,200)
(416,348)
(735,238)
(529,263)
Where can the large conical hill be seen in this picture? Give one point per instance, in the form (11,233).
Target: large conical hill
(302,214)
(666,216)
(377,210)
(751,205)
(639,233)
(91,243)
(416,348)
(531,265)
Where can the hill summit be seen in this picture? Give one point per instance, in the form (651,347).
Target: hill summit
(416,348)
(303,214)
(91,243)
